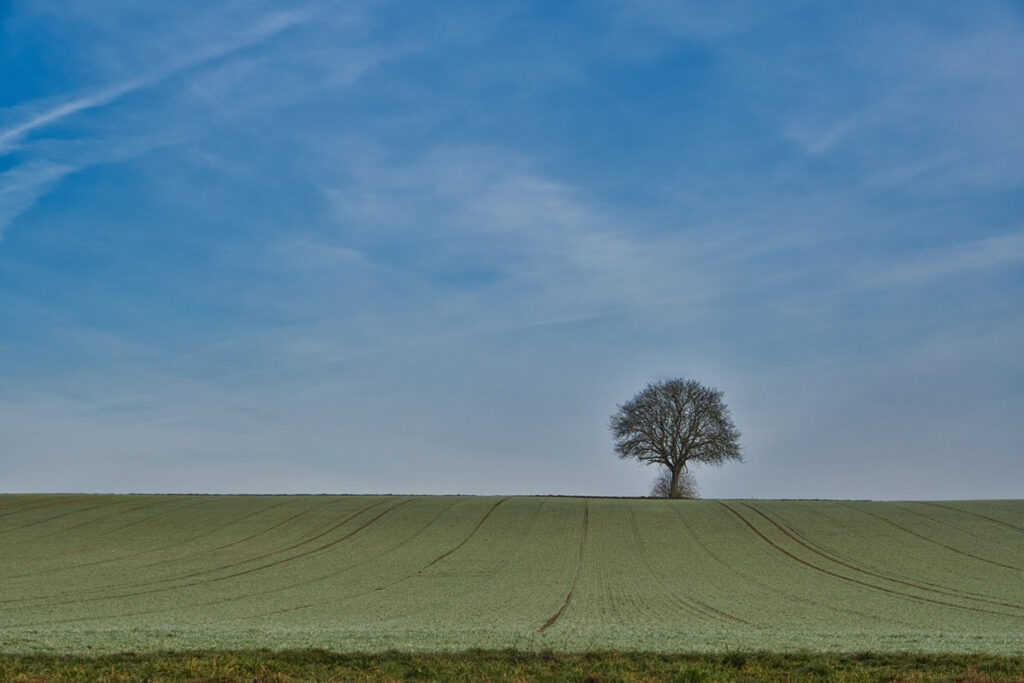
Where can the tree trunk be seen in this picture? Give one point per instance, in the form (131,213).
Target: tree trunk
(673,491)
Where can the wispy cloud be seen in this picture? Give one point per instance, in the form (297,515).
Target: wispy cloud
(545,250)
(38,115)
(45,116)
(704,20)
(978,255)
(22,186)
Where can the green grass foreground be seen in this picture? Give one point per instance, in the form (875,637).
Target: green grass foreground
(508,666)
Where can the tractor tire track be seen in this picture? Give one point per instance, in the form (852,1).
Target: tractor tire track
(63,514)
(840,558)
(466,539)
(98,519)
(291,586)
(933,541)
(221,528)
(92,541)
(204,571)
(180,577)
(362,592)
(140,584)
(694,604)
(866,584)
(113,559)
(975,514)
(579,565)
(206,581)
(936,521)
(866,572)
(775,590)
(488,579)
(19,508)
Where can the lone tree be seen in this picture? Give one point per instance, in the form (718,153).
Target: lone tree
(675,423)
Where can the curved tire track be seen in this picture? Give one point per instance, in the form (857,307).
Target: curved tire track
(866,584)
(691,603)
(63,514)
(938,543)
(113,559)
(466,539)
(842,558)
(91,541)
(775,590)
(866,572)
(52,503)
(976,514)
(207,581)
(164,589)
(291,586)
(579,565)
(140,584)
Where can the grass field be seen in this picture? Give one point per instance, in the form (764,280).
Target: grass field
(592,667)
(103,574)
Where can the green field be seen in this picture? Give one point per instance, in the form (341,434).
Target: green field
(92,573)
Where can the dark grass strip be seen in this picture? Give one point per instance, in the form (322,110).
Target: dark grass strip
(263,665)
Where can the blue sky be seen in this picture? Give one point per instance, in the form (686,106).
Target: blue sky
(376,247)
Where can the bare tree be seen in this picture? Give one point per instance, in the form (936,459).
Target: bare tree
(675,423)
(662,485)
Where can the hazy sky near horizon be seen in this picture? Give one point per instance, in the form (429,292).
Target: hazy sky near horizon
(428,248)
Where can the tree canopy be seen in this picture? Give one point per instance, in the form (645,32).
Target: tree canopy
(675,423)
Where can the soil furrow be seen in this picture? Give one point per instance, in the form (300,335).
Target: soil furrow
(18,509)
(347,596)
(775,590)
(110,559)
(866,572)
(475,529)
(938,543)
(690,603)
(291,586)
(975,514)
(579,565)
(293,546)
(848,579)
(200,553)
(140,584)
(840,557)
(955,528)
(63,514)
(213,580)
(96,598)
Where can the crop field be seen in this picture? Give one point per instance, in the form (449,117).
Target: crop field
(94,574)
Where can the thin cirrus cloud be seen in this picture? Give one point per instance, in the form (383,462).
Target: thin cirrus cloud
(26,183)
(22,186)
(986,255)
(47,115)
